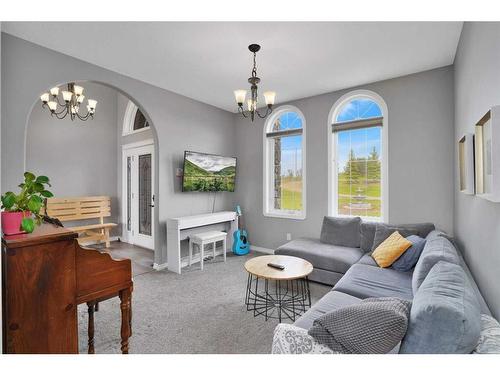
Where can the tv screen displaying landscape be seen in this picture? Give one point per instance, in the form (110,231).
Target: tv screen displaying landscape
(206,172)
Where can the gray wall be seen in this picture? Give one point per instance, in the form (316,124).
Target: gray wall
(477,221)
(180,123)
(420,121)
(79,157)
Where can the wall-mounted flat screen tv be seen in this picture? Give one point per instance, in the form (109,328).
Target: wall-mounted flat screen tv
(207,172)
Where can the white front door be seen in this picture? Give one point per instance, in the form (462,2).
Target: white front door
(138,195)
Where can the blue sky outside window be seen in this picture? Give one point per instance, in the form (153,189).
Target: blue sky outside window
(291,146)
(359,109)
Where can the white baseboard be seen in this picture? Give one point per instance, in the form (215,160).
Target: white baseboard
(159,267)
(262,249)
(184,262)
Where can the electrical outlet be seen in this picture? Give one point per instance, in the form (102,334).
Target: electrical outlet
(288,236)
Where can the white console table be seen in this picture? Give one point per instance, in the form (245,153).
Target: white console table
(179,228)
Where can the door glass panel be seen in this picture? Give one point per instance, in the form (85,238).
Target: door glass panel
(129,193)
(140,121)
(145,200)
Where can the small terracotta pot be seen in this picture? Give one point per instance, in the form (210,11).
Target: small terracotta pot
(11,222)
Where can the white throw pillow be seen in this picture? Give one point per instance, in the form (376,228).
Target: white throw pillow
(289,339)
(489,340)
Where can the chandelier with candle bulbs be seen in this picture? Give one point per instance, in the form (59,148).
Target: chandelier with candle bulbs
(71,103)
(252,103)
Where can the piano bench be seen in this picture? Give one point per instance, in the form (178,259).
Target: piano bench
(206,238)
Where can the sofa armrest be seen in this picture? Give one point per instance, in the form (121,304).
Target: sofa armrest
(289,339)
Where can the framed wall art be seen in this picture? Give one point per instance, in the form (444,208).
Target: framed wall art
(487,155)
(466,163)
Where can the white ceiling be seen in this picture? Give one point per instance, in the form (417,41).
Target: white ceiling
(206,61)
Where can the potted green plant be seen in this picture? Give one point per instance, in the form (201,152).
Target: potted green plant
(21,212)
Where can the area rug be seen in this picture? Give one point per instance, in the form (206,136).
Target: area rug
(195,312)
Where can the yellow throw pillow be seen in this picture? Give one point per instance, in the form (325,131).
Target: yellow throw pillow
(390,250)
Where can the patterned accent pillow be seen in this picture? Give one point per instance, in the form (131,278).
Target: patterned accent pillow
(382,231)
(489,340)
(391,249)
(289,339)
(373,326)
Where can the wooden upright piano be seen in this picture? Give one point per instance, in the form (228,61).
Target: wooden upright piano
(45,275)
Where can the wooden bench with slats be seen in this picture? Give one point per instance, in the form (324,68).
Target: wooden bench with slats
(83,208)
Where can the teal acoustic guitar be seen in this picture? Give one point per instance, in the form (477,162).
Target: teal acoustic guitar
(241,246)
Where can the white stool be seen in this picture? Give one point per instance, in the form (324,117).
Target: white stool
(202,239)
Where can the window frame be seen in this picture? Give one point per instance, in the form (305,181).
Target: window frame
(268,174)
(332,149)
(129,118)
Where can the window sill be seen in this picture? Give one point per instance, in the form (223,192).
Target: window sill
(286,215)
(369,219)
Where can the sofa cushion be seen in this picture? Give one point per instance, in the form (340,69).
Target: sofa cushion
(367,232)
(422,229)
(390,249)
(373,326)
(324,276)
(434,250)
(329,302)
(438,233)
(384,231)
(364,281)
(341,231)
(410,257)
(322,255)
(368,260)
(445,316)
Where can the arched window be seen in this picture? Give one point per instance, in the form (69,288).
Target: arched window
(357,133)
(285,164)
(134,120)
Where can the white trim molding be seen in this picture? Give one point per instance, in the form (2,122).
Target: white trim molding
(133,150)
(159,267)
(332,176)
(268,173)
(261,249)
(129,118)
(146,142)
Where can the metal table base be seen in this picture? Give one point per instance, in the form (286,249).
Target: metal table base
(277,299)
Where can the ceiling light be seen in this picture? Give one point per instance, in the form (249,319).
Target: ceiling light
(240,95)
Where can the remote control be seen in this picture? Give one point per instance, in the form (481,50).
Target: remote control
(277,266)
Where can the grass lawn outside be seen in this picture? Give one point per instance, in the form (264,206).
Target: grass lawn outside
(370,190)
(291,193)
(291,196)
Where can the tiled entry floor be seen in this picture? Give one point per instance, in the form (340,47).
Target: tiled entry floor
(142,258)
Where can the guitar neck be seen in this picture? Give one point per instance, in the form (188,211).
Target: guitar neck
(240,220)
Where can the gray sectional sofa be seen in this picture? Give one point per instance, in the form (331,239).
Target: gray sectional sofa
(447,304)
(341,245)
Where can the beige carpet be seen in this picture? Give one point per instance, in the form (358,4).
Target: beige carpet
(195,312)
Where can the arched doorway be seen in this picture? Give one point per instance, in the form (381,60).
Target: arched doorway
(84,158)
